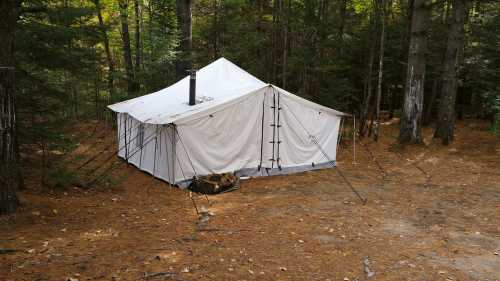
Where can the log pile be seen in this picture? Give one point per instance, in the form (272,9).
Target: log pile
(214,183)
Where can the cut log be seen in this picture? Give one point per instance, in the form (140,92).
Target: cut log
(214,183)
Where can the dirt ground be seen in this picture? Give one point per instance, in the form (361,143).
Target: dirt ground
(433,213)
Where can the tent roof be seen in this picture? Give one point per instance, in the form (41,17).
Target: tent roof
(216,84)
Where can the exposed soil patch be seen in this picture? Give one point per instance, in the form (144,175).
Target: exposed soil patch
(434,216)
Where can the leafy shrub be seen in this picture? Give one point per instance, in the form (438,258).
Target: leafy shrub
(60,178)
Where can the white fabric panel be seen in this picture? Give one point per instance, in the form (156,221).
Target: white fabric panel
(120,121)
(269,119)
(157,155)
(225,140)
(308,103)
(216,83)
(148,150)
(231,139)
(134,146)
(165,155)
(125,136)
(306,133)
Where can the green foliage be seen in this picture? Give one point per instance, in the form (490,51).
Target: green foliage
(54,73)
(481,73)
(60,178)
(160,41)
(317,49)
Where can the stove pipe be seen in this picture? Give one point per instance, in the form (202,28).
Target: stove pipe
(192,87)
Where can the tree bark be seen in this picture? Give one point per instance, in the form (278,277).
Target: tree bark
(9,162)
(184,19)
(138,43)
(455,42)
(285,17)
(366,102)
(411,118)
(343,12)
(127,52)
(380,70)
(436,84)
(215,24)
(107,49)
(275,39)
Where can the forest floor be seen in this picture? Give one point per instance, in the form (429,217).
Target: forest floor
(433,213)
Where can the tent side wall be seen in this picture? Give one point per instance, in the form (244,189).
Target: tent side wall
(309,135)
(149,147)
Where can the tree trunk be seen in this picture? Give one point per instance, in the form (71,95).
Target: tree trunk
(455,42)
(215,24)
(127,53)
(436,84)
(109,58)
(411,118)
(285,43)
(380,70)
(275,40)
(184,19)
(9,162)
(343,12)
(366,102)
(138,43)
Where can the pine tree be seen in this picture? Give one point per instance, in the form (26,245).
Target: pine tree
(411,119)
(9,175)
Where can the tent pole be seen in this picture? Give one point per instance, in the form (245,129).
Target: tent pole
(277,126)
(341,129)
(174,150)
(156,141)
(141,131)
(126,145)
(166,154)
(262,131)
(274,127)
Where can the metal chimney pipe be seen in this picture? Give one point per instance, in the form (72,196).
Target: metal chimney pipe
(192,87)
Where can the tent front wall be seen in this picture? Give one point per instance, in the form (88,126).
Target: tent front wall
(245,136)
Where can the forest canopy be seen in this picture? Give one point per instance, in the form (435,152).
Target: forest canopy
(322,50)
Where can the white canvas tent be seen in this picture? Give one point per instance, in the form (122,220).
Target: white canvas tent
(238,124)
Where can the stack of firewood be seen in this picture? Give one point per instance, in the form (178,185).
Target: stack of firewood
(214,183)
